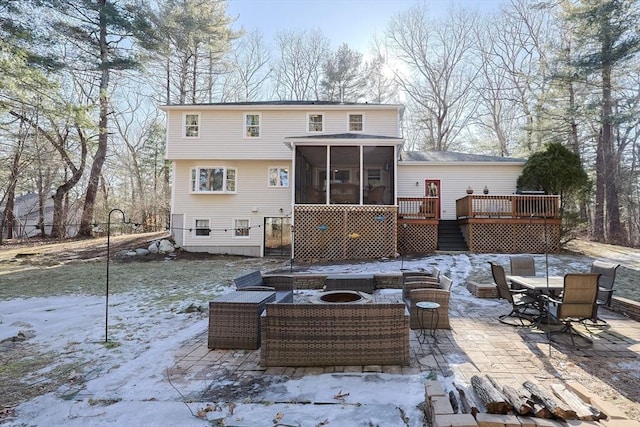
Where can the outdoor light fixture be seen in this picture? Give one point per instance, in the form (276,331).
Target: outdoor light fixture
(417,183)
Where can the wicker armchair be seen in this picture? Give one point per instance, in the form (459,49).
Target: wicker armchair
(429,291)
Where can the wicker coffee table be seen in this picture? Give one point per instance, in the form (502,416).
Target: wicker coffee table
(234,319)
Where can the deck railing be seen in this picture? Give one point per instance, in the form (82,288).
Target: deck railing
(508,206)
(418,207)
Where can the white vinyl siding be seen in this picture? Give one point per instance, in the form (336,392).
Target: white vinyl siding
(254,201)
(219,132)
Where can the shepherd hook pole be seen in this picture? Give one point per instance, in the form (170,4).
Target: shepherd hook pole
(106,309)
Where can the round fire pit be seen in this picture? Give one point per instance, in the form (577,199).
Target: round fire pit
(338,297)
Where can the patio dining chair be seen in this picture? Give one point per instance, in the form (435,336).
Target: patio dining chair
(523,306)
(521,265)
(577,303)
(607,273)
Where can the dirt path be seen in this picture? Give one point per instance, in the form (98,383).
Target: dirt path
(50,251)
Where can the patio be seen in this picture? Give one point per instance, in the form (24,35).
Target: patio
(477,344)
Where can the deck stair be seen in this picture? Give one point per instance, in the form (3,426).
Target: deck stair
(450,237)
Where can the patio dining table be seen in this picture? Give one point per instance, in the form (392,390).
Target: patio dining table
(539,287)
(539,284)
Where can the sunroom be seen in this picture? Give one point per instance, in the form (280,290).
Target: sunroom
(344,201)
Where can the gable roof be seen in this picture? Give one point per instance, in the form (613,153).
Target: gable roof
(455,157)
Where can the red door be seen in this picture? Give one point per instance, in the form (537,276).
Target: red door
(431,208)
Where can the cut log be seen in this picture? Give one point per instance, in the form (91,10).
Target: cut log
(520,405)
(547,400)
(493,400)
(583,411)
(539,411)
(454,402)
(467,403)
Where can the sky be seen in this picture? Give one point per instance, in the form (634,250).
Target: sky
(344,21)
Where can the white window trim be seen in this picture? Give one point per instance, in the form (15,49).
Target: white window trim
(193,190)
(184,124)
(244,125)
(316,113)
(195,236)
(233,225)
(351,113)
(279,168)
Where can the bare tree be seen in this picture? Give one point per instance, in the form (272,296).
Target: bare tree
(439,60)
(250,67)
(297,70)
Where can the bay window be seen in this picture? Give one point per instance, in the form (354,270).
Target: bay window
(213,180)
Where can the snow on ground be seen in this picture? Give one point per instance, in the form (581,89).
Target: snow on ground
(124,383)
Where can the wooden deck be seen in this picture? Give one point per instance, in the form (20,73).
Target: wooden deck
(489,224)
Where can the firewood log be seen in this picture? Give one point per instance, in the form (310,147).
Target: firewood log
(468,404)
(583,411)
(520,405)
(547,400)
(454,402)
(493,400)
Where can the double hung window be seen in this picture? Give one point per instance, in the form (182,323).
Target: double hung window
(201,228)
(213,180)
(241,228)
(192,125)
(315,122)
(356,122)
(278,177)
(252,125)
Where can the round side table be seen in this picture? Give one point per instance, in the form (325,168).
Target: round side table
(427,308)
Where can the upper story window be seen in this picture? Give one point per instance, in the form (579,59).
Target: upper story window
(213,180)
(356,122)
(315,122)
(192,125)
(278,177)
(252,125)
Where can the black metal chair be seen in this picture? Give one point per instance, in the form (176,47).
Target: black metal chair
(607,278)
(521,265)
(523,306)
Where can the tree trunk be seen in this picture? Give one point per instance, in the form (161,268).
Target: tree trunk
(86,223)
(598,218)
(615,232)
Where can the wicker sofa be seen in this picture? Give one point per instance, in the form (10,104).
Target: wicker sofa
(255,281)
(334,334)
(415,291)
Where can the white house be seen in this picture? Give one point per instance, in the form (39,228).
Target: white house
(323,180)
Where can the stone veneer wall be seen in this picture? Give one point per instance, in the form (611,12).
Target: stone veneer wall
(626,306)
